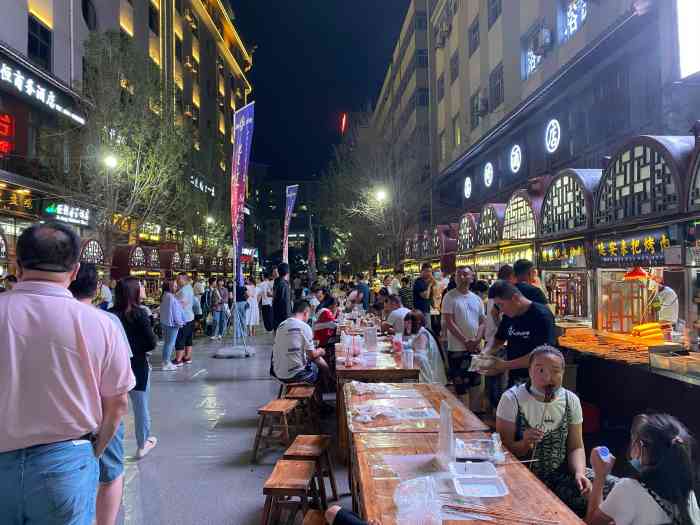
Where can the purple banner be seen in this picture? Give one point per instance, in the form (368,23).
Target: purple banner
(291,197)
(243,124)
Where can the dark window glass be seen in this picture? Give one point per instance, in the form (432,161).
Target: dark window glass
(422,97)
(421,21)
(153,19)
(39,43)
(178,49)
(422,58)
(474,110)
(178,6)
(454,66)
(195,72)
(474,36)
(494,11)
(89,15)
(441,87)
(496,86)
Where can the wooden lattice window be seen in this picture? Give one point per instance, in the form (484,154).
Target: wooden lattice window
(153,258)
(137,258)
(92,253)
(425,244)
(187,261)
(3,248)
(564,207)
(407,249)
(200,263)
(177,260)
(519,220)
(436,245)
(639,183)
(695,187)
(488,227)
(467,235)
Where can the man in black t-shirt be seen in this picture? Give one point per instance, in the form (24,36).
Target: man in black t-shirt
(528,325)
(525,274)
(422,289)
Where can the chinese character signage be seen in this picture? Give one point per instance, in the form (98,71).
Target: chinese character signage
(487,260)
(569,254)
(17,200)
(21,82)
(7,133)
(641,249)
(70,214)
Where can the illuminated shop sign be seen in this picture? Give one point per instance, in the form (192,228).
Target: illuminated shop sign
(552,136)
(7,133)
(649,248)
(467,187)
(487,260)
(516,158)
(21,82)
(70,214)
(488,174)
(202,186)
(512,254)
(688,13)
(562,255)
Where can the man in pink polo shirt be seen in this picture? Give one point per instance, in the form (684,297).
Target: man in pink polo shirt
(63,386)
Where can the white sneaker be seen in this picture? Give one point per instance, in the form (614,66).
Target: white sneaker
(150,444)
(214,337)
(168,367)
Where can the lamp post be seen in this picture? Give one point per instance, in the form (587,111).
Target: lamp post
(110,161)
(380,195)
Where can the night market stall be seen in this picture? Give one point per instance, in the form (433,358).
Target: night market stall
(486,255)
(172,262)
(466,239)
(519,227)
(142,262)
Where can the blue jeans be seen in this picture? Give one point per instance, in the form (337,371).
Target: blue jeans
(219,322)
(240,318)
(112,459)
(142,416)
(169,337)
(52,484)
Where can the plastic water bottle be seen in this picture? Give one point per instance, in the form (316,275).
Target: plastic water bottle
(604,454)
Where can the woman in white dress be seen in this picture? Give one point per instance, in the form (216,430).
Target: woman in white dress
(425,349)
(252,314)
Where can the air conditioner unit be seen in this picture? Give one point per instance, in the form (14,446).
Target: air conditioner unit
(220,64)
(188,62)
(188,110)
(221,101)
(543,41)
(188,15)
(483,104)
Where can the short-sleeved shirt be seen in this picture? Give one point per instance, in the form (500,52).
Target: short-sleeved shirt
(293,340)
(186,297)
(535,294)
(363,288)
(265,287)
(631,504)
(420,303)
(527,331)
(61,357)
(534,410)
(406,295)
(325,326)
(468,310)
(396,319)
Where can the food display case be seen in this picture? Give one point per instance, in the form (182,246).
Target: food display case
(567,279)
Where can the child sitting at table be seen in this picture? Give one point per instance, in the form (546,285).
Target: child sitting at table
(541,421)
(662,491)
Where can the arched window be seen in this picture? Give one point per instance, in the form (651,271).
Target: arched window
(489,226)
(137,259)
(92,253)
(153,258)
(519,219)
(177,260)
(466,239)
(695,185)
(564,207)
(408,249)
(436,248)
(3,247)
(638,182)
(187,261)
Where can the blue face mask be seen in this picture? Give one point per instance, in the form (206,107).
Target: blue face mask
(636,464)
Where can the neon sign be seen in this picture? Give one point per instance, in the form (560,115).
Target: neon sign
(552,136)
(516,158)
(7,133)
(69,214)
(31,87)
(488,174)
(467,187)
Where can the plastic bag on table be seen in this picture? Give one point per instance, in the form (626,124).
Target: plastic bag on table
(418,502)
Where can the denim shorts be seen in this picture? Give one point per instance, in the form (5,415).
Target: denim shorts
(308,375)
(112,459)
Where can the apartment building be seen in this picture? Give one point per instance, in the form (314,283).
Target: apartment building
(204,64)
(401,112)
(523,89)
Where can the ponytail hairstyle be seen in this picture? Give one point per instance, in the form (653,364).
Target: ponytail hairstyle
(668,468)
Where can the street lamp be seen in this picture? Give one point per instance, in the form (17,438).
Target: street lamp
(380,195)
(110,161)
(210,220)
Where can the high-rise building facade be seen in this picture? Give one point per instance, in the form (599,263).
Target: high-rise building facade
(524,89)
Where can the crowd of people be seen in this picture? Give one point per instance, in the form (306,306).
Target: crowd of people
(73,363)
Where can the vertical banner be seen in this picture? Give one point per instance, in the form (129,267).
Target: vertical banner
(312,254)
(291,197)
(242,141)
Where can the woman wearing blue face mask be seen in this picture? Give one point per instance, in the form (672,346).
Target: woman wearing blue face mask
(542,421)
(662,491)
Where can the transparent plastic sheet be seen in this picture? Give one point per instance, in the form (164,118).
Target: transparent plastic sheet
(385,390)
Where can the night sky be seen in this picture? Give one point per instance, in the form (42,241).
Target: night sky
(315,59)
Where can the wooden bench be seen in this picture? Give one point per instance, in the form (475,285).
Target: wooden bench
(271,431)
(316,449)
(309,408)
(314,517)
(289,479)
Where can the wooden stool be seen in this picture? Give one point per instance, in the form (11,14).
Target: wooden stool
(279,409)
(286,386)
(306,395)
(316,449)
(314,517)
(289,479)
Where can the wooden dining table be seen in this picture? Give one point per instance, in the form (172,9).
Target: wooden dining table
(380,467)
(371,367)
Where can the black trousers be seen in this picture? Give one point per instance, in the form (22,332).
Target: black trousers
(266,312)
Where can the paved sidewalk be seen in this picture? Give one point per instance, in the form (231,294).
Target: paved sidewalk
(204,416)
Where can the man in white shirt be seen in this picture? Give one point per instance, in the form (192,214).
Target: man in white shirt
(294,358)
(395,315)
(668,298)
(265,288)
(105,296)
(463,311)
